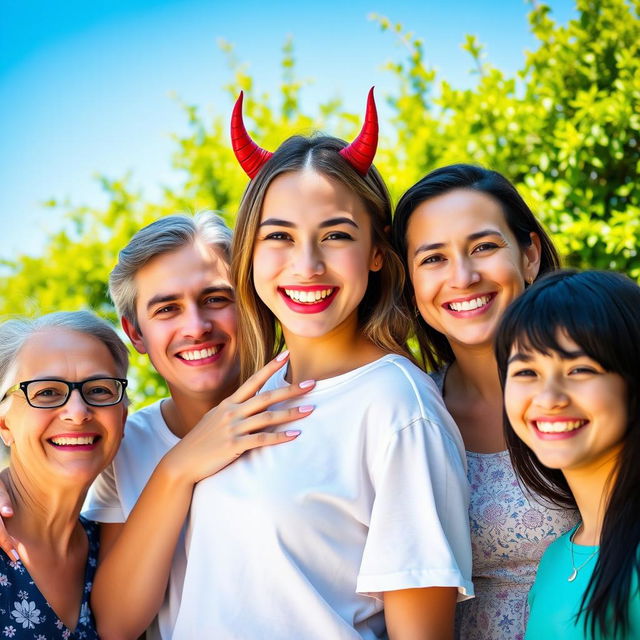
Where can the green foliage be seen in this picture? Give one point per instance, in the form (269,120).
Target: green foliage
(565,129)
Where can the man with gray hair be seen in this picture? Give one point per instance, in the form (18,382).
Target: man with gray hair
(172,290)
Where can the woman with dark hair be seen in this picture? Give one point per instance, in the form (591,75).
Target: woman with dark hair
(471,245)
(568,353)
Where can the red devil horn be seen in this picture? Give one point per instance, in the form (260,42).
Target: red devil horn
(360,153)
(250,156)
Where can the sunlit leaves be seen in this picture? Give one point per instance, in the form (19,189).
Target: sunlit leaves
(565,129)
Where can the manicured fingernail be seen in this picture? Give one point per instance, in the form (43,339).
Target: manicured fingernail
(14,553)
(281,356)
(7,511)
(306,408)
(306,384)
(292,432)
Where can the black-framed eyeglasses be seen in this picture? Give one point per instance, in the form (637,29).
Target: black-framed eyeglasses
(51,393)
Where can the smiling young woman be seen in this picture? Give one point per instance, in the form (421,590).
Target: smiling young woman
(362,522)
(471,246)
(569,357)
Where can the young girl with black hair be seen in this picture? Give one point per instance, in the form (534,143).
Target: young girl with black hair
(568,351)
(367,510)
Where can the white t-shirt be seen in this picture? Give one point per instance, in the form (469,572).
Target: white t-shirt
(300,539)
(147,438)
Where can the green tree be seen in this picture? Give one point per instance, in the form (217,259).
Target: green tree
(565,129)
(73,270)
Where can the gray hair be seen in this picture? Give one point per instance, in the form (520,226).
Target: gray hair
(14,334)
(162,236)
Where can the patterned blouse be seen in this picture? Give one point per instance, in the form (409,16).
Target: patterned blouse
(510,530)
(24,613)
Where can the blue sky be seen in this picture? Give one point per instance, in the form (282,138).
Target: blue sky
(85,87)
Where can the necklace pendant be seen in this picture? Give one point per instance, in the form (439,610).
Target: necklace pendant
(573,576)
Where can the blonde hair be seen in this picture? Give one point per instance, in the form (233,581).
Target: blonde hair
(381,313)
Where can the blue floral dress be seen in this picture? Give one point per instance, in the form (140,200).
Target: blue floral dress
(24,613)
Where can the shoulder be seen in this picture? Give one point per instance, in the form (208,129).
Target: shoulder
(554,553)
(400,396)
(13,579)
(397,382)
(147,419)
(146,436)
(92,529)
(397,376)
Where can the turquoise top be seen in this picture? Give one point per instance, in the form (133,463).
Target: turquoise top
(554,601)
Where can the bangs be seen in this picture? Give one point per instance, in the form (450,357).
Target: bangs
(595,310)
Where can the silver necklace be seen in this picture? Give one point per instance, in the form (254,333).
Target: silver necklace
(574,573)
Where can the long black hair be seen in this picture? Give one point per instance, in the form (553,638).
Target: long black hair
(599,312)
(435,350)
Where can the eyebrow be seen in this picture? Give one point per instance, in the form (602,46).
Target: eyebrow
(331,222)
(527,356)
(520,357)
(171,297)
(471,237)
(275,222)
(53,378)
(218,288)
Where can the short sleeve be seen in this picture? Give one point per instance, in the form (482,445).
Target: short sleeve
(419,528)
(103,502)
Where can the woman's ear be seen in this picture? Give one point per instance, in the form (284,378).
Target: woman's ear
(377,260)
(531,257)
(5,432)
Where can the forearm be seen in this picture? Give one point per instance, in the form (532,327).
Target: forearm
(420,614)
(137,566)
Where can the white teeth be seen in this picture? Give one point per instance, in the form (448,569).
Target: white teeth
(559,427)
(469,305)
(199,354)
(66,440)
(308,296)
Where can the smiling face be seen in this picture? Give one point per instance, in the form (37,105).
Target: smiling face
(568,410)
(465,265)
(75,441)
(312,254)
(187,321)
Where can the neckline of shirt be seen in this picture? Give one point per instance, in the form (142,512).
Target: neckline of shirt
(343,378)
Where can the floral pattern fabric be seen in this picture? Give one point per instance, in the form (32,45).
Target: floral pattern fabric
(24,613)
(510,530)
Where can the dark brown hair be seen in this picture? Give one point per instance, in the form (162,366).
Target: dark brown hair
(434,346)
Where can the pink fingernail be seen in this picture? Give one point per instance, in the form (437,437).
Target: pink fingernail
(306,408)
(14,553)
(7,511)
(281,356)
(306,384)
(292,432)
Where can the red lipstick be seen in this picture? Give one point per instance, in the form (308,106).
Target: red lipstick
(309,307)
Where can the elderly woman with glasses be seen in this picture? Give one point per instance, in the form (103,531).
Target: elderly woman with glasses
(62,386)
